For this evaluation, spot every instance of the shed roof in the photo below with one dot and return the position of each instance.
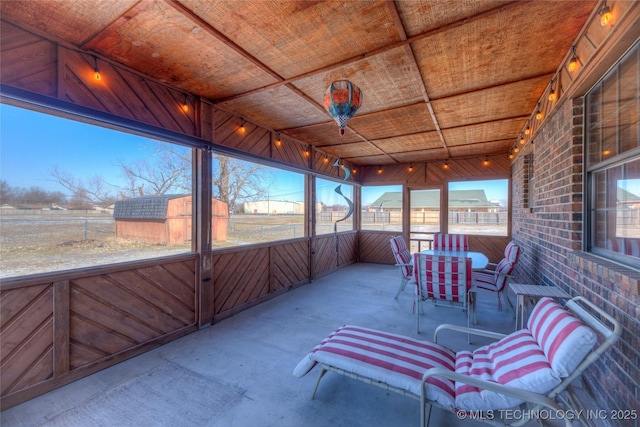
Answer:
(149, 207)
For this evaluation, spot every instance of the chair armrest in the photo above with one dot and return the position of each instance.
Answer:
(527, 396)
(466, 330)
(404, 265)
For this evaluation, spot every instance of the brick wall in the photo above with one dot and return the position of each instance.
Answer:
(547, 223)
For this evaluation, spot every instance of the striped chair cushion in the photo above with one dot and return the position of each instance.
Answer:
(516, 360)
(379, 356)
(564, 339)
(402, 255)
(512, 252)
(443, 277)
(450, 242)
(493, 282)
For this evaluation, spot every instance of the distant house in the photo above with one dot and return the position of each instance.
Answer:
(459, 200)
(165, 219)
(274, 207)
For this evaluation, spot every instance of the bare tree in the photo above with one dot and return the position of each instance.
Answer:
(168, 170)
(234, 181)
(84, 192)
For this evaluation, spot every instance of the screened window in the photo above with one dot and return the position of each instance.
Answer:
(333, 209)
(382, 208)
(77, 195)
(254, 203)
(478, 207)
(613, 161)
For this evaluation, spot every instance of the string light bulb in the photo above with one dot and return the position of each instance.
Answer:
(184, 106)
(410, 167)
(552, 95)
(527, 131)
(522, 140)
(278, 141)
(511, 155)
(605, 15)
(486, 161)
(539, 115)
(242, 128)
(96, 70)
(379, 170)
(573, 63)
(446, 165)
(516, 149)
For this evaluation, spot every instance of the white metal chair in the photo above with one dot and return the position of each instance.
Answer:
(450, 242)
(445, 280)
(495, 277)
(403, 260)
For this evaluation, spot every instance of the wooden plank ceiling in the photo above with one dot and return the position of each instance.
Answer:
(440, 78)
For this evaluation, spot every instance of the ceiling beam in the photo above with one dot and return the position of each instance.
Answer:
(416, 70)
(380, 50)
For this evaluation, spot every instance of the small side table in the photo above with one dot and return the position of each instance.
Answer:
(535, 291)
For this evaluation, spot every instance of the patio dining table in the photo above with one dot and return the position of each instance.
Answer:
(478, 259)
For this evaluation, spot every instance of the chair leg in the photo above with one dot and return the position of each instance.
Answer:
(418, 306)
(313, 395)
(506, 297)
(403, 284)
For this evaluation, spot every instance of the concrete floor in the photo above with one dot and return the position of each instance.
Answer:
(238, 372)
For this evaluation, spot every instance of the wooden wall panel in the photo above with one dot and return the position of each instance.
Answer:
(97, 319)
(435, 173)
(122, 93)
(239, 277)
(28, 62)
(115, 311)
(491, 246)
(325, 256)
(26, 334)
(347, 248)
(375, 247)
(289, 265)
(291, 151)
(227, 132)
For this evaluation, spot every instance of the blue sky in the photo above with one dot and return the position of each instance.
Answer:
(31, 147)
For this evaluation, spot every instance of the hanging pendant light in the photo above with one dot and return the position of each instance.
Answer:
(341, 101)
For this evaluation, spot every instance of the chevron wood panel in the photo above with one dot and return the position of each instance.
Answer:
(112, 312)
(435, 172)
(290, 151)
(325, 258)
(26, 333)
(227, 131)
(375, 247)
(347, 248)
(289, 264)
(239, 277)
(122, 93)
(28, 62)
(491, 246)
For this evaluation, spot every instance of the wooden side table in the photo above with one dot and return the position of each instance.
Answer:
(533, 291)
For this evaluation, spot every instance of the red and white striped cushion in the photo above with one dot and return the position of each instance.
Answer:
(516, 360)
(443, 277)
(512, 252)
(564, 339)
(494, 282)
(450, 242)
(402, 255)
(396, 360)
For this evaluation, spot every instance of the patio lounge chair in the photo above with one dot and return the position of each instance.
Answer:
(530, 366)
